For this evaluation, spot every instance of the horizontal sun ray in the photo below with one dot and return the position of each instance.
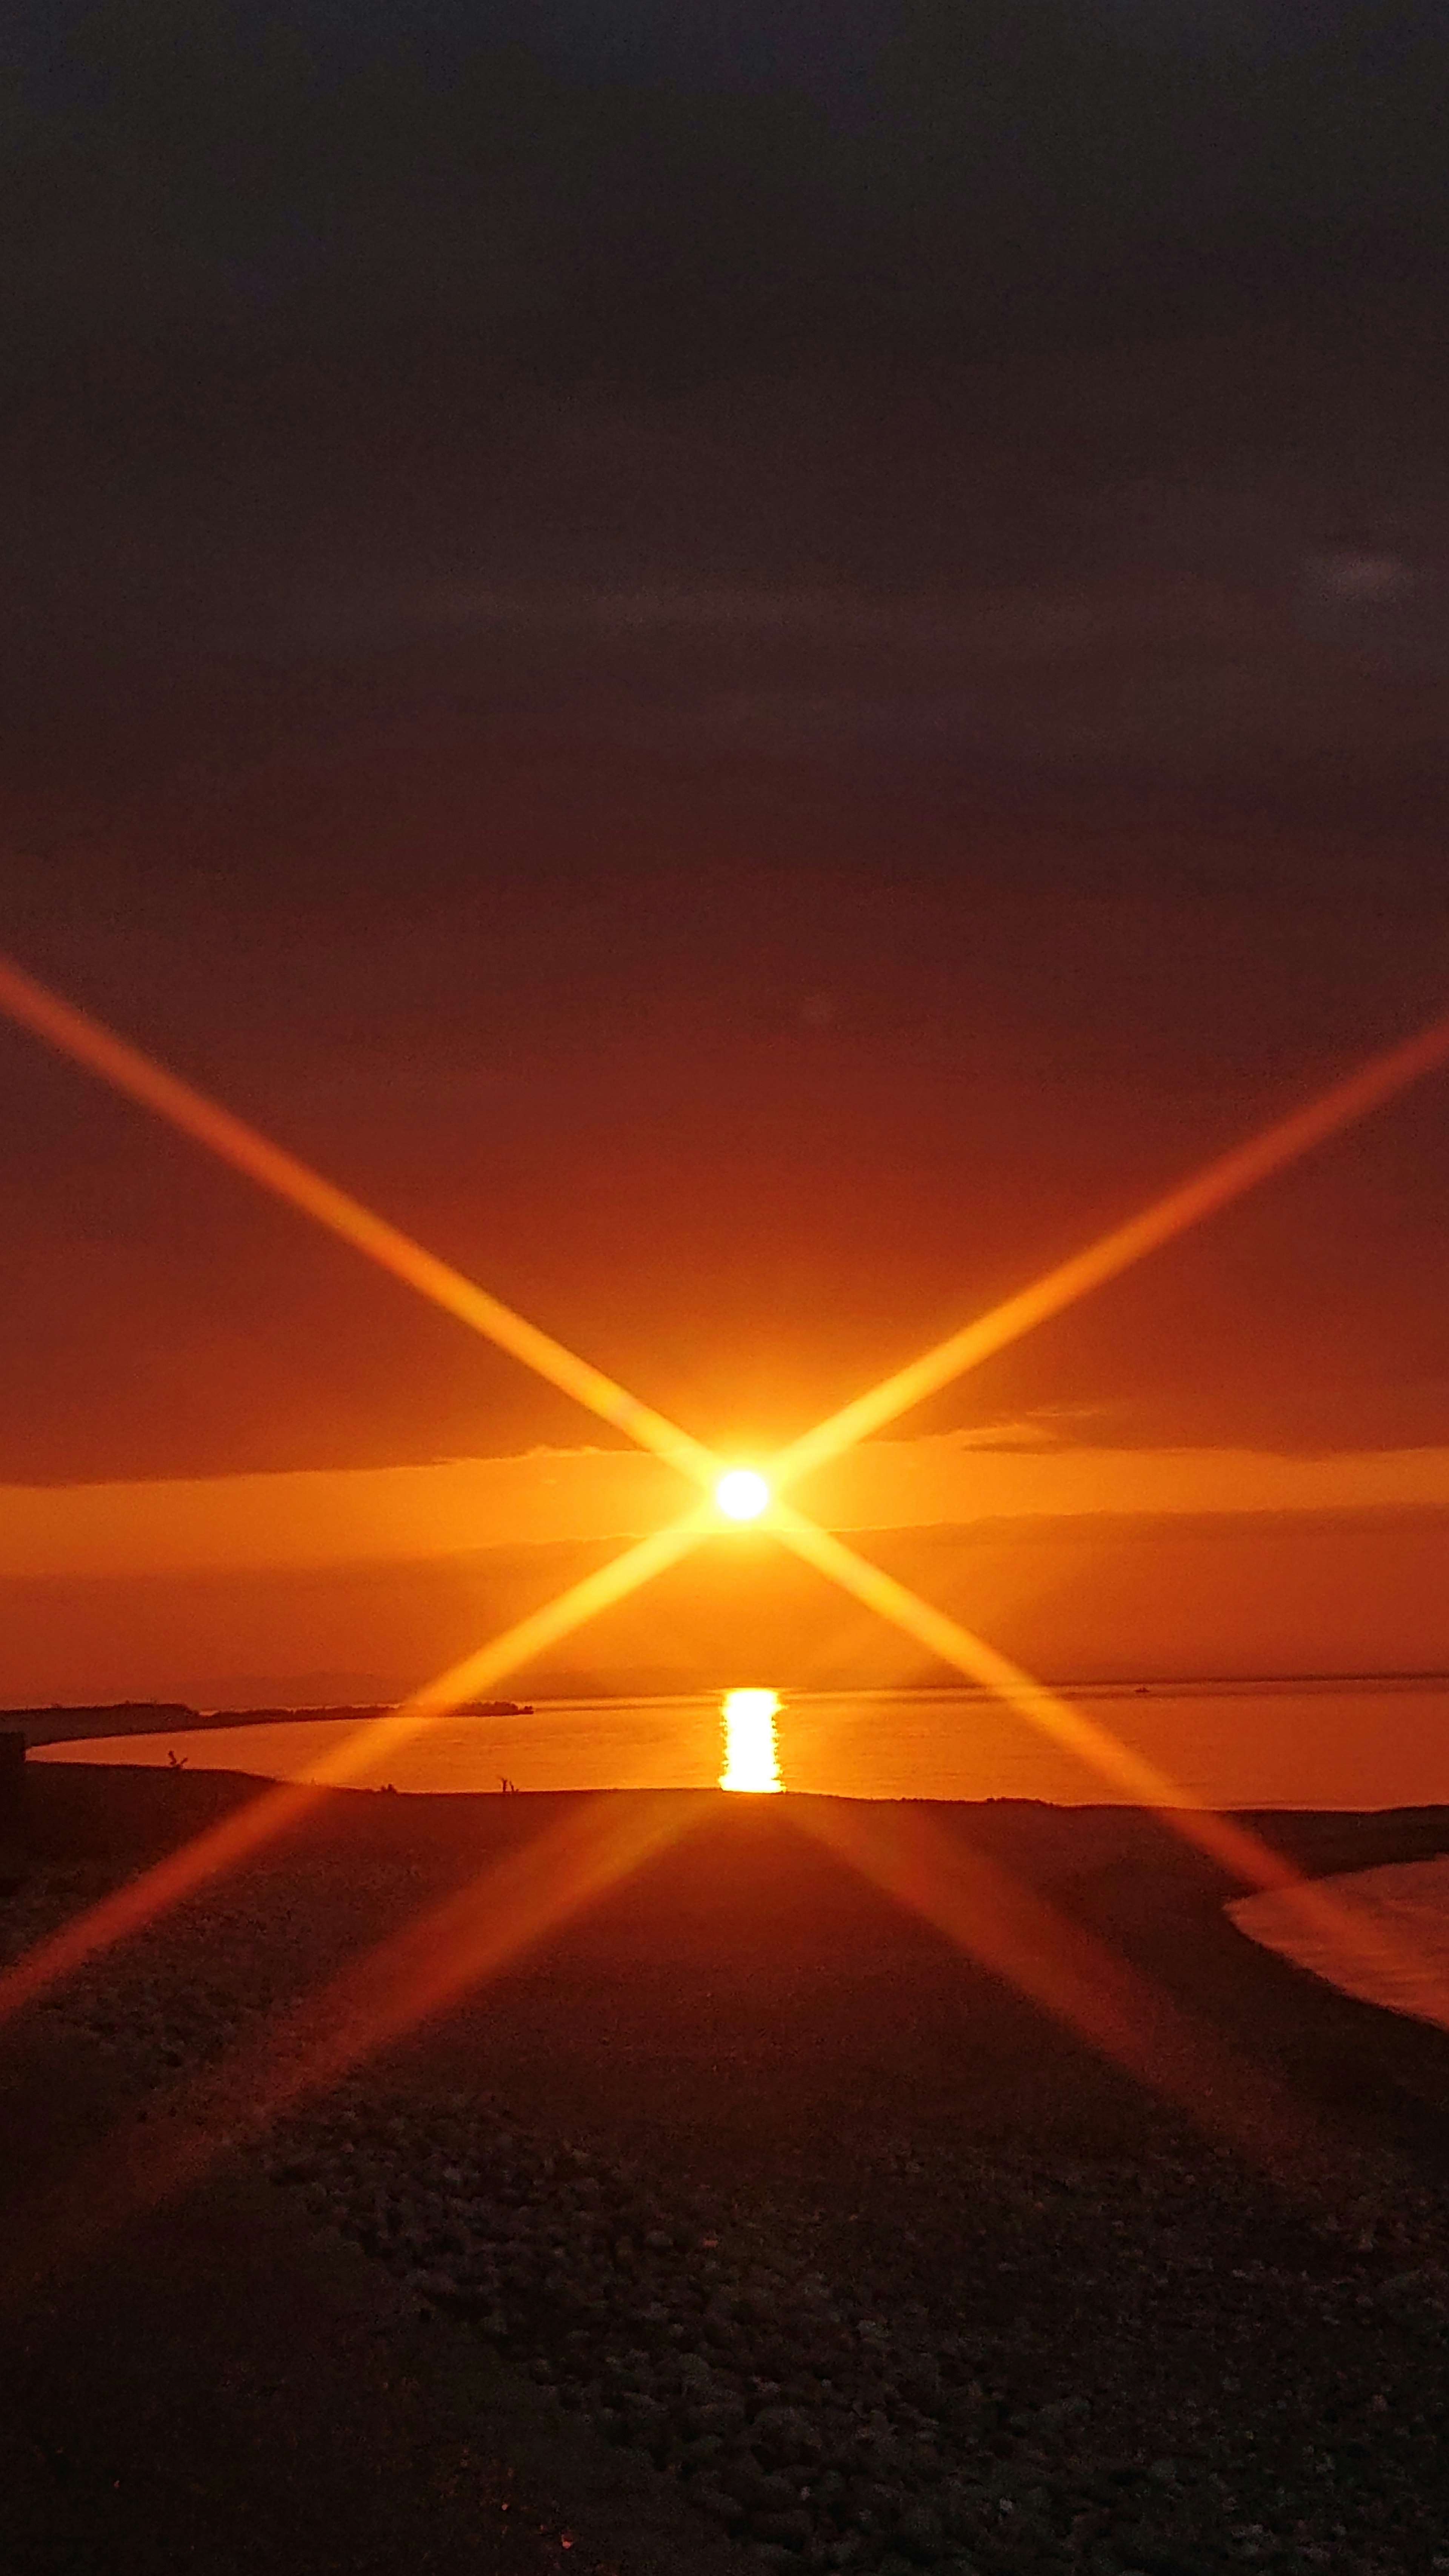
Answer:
(237, 1837)
(89, 1043)
(1214, 1187)
(988, 1912)
(1243, 1854)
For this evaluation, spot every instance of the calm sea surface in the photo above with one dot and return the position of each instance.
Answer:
(1287, 1744)
(1385, 1937)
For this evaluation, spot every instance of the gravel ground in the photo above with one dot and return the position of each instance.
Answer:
(973, 2355)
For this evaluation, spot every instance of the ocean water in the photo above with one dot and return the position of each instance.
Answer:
(1360, 1744)
(1383, 1936)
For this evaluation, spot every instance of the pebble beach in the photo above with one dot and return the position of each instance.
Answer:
(874, 2259)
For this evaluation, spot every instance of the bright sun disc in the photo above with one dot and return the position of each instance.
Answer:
(742, 1494)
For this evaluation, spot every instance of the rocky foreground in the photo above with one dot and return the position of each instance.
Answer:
(922, 2344)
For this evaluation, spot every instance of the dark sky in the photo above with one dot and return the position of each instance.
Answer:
(751, 663)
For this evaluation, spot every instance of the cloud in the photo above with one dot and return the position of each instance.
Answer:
(455, 1507)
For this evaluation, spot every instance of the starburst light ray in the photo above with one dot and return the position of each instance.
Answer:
(1066, 1726)
(387, 1991)
(237, 1837)
(89, 1043)
(996, 1918)
(1237, 1850)
(92, 1045)
(1214, 1187)
(462, 1941)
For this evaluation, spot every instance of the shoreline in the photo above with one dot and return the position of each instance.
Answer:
(65, 1722)
(794, 2202)
(1228, 1749)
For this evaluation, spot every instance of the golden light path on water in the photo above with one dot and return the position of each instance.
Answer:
(739, 1493)
(751, 1751)
(1238, 1745)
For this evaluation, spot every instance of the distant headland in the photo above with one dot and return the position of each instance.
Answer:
(61, 1722)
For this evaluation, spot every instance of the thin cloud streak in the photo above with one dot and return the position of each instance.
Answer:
(311, 1518)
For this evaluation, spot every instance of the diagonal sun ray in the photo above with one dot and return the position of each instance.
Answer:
(95, 1047)
(1243, 1854)
(1066, 1726)
(459, 1943)
(410, 1976)
(223, 1846)
(139, 1077)
(89, 1043)
(1096, 1994)
(1214, 1187)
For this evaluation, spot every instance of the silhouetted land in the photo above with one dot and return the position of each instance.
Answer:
(1210, 2252)
(744, 1972)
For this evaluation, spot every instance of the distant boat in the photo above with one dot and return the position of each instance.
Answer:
(497, 1708)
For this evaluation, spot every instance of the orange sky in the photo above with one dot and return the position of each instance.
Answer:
(400, 1515)
(1080, 1560)
(752, 873)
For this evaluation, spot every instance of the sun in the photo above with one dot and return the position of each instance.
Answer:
(742, 1494)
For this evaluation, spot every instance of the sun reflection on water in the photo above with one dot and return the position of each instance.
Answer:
(751, 1754)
